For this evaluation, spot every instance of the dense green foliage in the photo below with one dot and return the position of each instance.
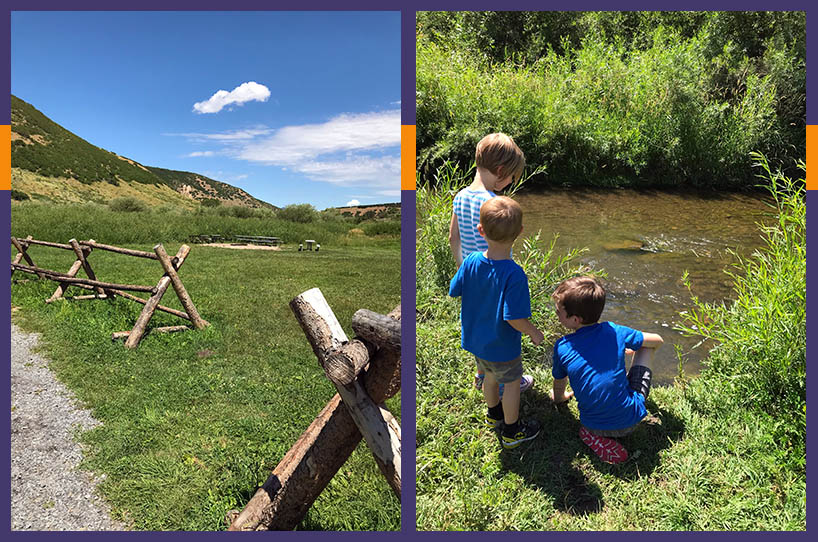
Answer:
(659, 98)
(303, 213)
(46, 148)
(19, 195)
(724, 451)
(51, 222)
(127, 205)
(193, 422)
(759, 363)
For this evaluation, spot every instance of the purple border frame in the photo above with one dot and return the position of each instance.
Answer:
(408, 8)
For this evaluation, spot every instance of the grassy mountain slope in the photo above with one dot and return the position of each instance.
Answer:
(46, 149)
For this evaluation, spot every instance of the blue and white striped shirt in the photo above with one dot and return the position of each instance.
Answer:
(466, 206)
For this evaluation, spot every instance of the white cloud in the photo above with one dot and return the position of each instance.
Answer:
(352, 203)
(224, 137)
(344, 133)
(245, 92)
(374, 172)
(196, 154)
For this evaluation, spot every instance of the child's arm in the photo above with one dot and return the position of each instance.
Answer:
(454, 240)
(651, 340)
(558, 394)
(524, 326)
(644, 356)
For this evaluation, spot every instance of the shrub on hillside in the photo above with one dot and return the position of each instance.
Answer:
(19, 195)
(210, 202)
(127, 204)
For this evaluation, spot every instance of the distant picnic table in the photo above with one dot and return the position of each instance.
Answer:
(247, 239)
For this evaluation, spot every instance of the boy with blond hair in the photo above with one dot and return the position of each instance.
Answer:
(494, 314)
(611, 402)
(500, 162)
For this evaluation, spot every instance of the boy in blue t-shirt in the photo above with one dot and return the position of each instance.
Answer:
(494, 314)
(500, 163)
(611, 402)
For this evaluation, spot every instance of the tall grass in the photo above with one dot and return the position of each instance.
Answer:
(603, 113)
(126, 225)
(759, 362)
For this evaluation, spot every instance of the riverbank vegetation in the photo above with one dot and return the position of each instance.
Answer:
(722, 451)
(193, 422)
(128, 220)
(615, 98)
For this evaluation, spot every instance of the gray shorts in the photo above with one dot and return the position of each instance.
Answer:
(502, 371)
(639, 381)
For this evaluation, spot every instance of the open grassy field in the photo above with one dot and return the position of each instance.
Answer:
(193, 422)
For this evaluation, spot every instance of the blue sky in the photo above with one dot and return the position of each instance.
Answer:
(293, 107)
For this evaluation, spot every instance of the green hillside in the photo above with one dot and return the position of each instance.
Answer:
(43, 147)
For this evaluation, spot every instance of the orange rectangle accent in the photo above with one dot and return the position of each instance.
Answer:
(812, 150)
(408, 179)
(5, 157)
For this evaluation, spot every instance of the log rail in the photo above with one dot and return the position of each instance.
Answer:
(108, 290)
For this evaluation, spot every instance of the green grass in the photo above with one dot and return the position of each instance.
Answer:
(723, 451)
(193, 422)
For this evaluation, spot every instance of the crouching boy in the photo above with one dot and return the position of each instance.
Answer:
(611, 402)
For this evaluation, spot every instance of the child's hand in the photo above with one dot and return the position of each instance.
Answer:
(537, 337)
(566, 396)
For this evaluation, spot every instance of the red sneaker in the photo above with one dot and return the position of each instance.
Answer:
(608, 450)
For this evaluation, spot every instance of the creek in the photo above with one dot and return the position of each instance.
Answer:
(645, 240)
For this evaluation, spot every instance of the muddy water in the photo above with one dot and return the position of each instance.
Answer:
(645, 241)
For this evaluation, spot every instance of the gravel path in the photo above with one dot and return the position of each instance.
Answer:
(48, 491)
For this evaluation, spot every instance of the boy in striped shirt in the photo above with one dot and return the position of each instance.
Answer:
(500, 162)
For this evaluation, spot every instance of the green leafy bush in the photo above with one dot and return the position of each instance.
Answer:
(303, 213)
(127, 204)
(19, 195)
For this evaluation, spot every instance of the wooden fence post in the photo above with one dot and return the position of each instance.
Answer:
(150, 307)
(318, 322)
(179, 288)
(306, 469)
(22, 253)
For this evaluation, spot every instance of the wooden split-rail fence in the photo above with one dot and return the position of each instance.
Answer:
(107, 290)
(366, 372)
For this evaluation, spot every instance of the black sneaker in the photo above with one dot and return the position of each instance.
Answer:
(527, 430)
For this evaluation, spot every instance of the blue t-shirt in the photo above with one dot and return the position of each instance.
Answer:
(593, 359)
(466, 208)
(493, 291)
